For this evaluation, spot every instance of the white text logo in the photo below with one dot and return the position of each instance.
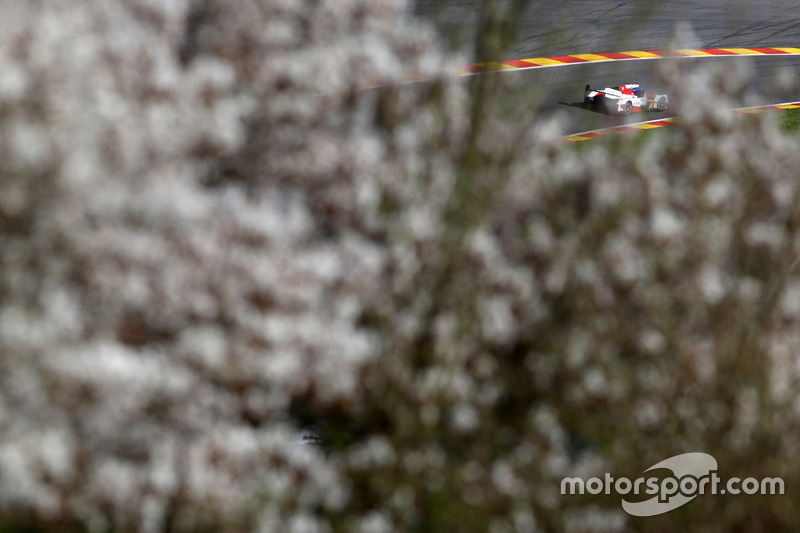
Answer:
(693, 474)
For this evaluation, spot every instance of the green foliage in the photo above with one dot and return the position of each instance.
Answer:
(790, 120)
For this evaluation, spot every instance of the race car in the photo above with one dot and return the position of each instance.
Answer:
(624, 99)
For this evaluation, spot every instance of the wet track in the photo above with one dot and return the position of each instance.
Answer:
(592, 26)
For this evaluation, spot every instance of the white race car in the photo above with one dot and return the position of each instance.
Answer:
(625, 99)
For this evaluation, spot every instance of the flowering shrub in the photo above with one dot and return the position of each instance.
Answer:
(213, 234)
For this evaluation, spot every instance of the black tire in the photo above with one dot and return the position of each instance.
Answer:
(628, 108)
(599, 103)
(661, 104)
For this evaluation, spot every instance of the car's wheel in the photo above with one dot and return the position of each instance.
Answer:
(628, 108)
(599, 103)
(661, 104)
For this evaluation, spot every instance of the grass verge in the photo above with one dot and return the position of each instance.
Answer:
(790, 120)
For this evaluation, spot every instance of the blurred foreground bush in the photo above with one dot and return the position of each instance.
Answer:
(212, 235)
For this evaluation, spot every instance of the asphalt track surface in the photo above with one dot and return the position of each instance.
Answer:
(561, 89)
(550, 28)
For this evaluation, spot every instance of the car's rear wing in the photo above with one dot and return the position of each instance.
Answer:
(589, 93)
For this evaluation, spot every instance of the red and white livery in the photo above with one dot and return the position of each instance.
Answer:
(625, 99)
